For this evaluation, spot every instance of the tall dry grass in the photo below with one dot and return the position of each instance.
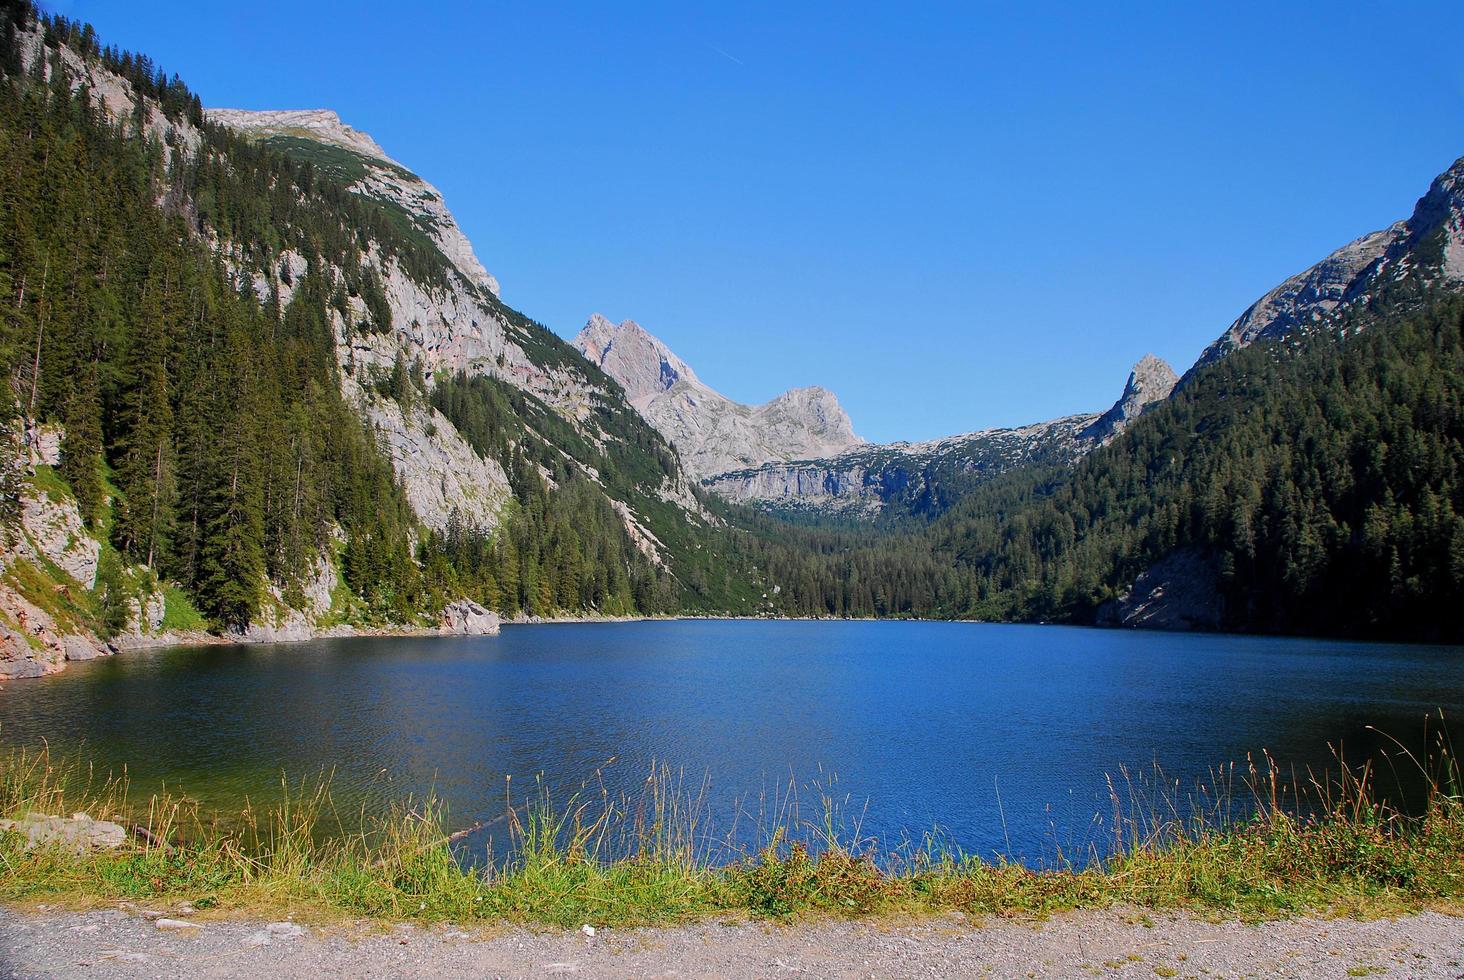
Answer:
(1253, 839)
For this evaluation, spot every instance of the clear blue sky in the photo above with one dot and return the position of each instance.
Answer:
(954, 216)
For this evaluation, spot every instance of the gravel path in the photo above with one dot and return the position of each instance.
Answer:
(120, 943)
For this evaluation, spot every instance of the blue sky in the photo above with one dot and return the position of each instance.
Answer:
(952, 215)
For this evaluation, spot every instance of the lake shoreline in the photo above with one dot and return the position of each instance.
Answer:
(202, 638)
(168, 862)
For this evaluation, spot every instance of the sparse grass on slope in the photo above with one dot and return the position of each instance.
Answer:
(649, 860)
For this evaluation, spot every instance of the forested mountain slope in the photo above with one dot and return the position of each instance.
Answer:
(1308, 487)
(277, 386)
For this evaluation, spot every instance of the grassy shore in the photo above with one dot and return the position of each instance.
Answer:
(1237, 845)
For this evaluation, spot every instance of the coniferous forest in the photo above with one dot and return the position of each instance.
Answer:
(207, 438)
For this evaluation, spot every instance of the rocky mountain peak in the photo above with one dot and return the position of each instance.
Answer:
(1150, 381)
(713, 433)
(640, 361)
(1427, 248)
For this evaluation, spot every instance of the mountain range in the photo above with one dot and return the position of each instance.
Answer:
(260, 385)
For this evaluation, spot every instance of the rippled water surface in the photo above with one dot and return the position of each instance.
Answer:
(1000, 735)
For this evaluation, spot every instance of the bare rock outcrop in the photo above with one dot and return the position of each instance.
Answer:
(1180, 591)
(55, 530)
(1427, 248)
(32, 641)
(1149, 383)
(440, 472)
(466, 618)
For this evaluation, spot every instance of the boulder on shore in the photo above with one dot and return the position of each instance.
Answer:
(79, 831)
(466, 618)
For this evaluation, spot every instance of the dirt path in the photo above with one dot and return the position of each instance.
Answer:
(125, 944)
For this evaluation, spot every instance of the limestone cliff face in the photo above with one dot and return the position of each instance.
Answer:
(1426, 250)
(924, 477)
(442, 475)
(447, 328)
(713, 433)
(35, 639)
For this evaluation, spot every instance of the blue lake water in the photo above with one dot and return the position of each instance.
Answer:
(1000, 735)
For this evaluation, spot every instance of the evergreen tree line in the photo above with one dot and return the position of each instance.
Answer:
(1320, 477)
(211, 420)
(560, 549)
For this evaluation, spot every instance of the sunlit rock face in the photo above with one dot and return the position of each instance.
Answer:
(1424, 251)
(713, 433)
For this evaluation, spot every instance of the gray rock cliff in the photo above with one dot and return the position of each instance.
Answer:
(713, 433)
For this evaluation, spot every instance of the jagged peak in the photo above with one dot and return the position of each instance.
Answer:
(1150, 381)
(713, 433)
(632, 355)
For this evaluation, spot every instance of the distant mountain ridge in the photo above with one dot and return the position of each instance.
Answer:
(926, 477)
(799, 451)
(713, 433)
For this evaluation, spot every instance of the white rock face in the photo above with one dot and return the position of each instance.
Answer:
(1428, 247)
(440, 472)
(713, 433)
(385, 178)
(466, 618)
(32, 642)
(870, 477)
(56, 529)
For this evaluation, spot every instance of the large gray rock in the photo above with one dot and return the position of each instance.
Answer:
(713, 433)
(78, 831)
(56, 527)
(79, 647)
(466, 618)
(19, 659)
